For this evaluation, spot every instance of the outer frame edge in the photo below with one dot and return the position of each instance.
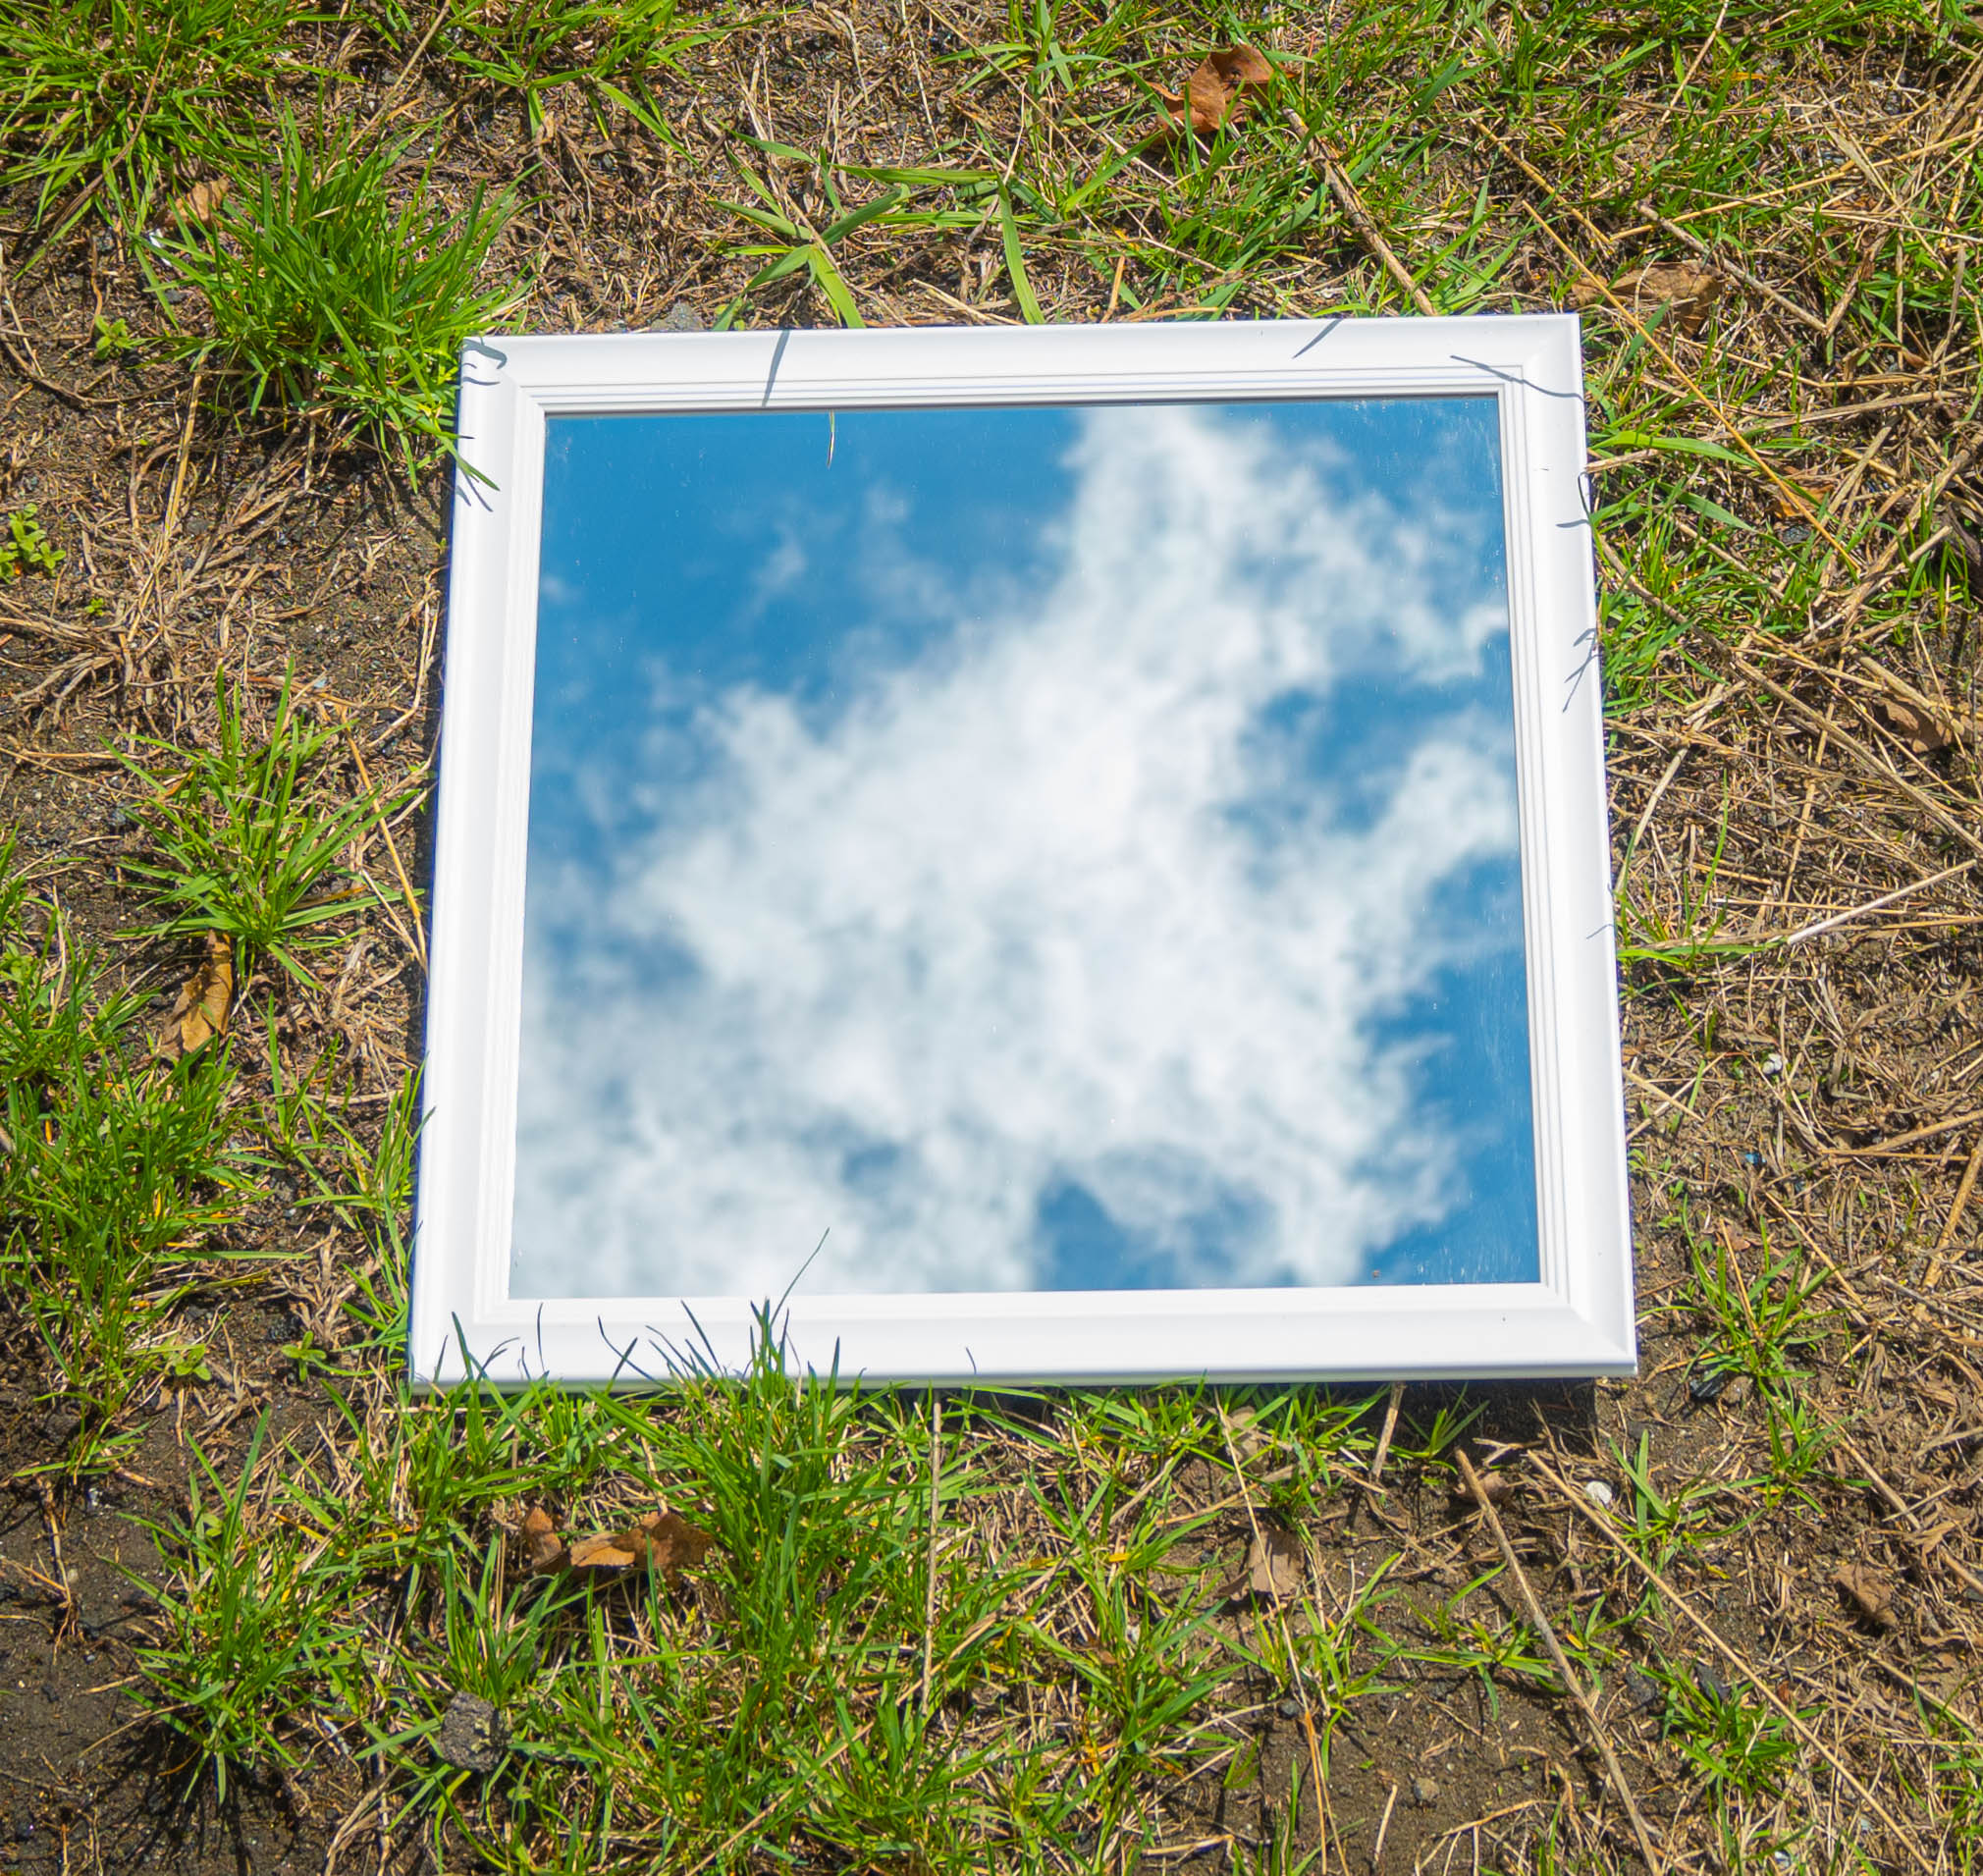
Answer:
(1591, 1308)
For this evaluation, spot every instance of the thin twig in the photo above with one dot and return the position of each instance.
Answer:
(1912, 1137)
(1385, 1432)
(1956, 1211)
(1754, 282)
(1352, 205)
(1874, 905)
(1800, 188)
(1801, 499)
(1659, 788)
(415, 932)
(394, 90)
(1905, 1513)
(1599, 1737)
(1884, 770)
(1883, 569)
(1383, 1828)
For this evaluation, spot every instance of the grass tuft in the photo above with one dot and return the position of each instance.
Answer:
(109, 102)
(334, 287)
(115, 1166)
(249, 838)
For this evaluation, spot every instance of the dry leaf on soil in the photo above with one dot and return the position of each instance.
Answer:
(1217, 91)
(1685, 286)
(199, 1011)
(1498, 1486)
(1867, 1594)
(664, 1541)
(543, 1549)
(1922, 730)
(1273, 1567)
(1248, 1439)
(201, 203)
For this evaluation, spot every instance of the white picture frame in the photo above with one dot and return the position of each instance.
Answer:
(1576, 1321)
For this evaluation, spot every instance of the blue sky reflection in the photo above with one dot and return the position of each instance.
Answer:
(1034, 848)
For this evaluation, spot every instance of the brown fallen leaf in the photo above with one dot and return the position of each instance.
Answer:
(664, 1541)
(1216, 92)
(201, 203)
(615, 1552)
(1249, 1441)
(1272, 1568)
(200, 1012)
(1497, 1485)
(543, 1549)
(1868, 1595)
(1922, 730)
(1686, 286)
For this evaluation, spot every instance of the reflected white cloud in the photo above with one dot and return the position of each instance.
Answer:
(1059, 905)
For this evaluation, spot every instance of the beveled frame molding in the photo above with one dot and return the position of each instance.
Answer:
(1576, 1321)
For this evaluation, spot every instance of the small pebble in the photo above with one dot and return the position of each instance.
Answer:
(1773, 1063)
(1288, 1709)
(1598, 1492)
(471, 1735)
(1424, 1791)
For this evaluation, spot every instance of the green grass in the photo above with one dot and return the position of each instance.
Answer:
(245, 1626)
(117, 1173)
(807, 1687)
(26, 549)
(1427, 104)
(111, 103)
(608, 54)
(253, 841)
(336, 285)
(360, 1176)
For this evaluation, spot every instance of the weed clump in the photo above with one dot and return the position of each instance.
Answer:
(249, 837)
(24, 548)
(329, 291)
(116, 99)
(115, 1163)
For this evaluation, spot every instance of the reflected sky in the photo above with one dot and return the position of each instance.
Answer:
(1061, 848)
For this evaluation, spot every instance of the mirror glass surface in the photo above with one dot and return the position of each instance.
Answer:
(1038, 848)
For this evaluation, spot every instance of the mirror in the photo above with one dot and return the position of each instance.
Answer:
(1023, 849)
(1023, 855)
